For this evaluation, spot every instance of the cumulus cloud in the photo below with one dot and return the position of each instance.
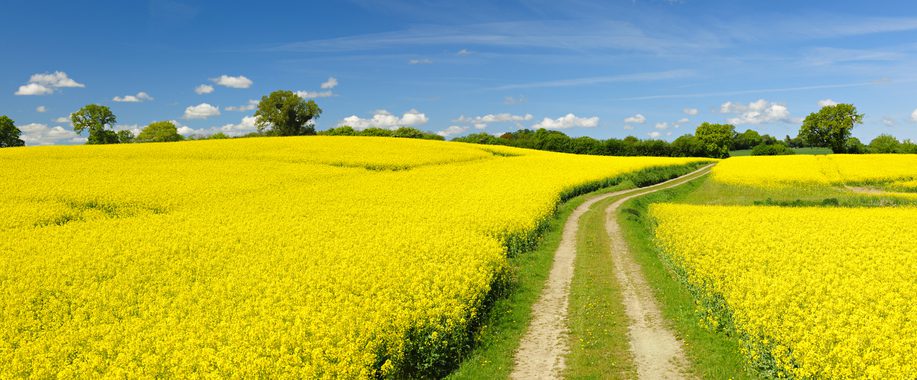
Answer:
(452, 130)
(628, 127)
(140, 97)
(757, 112)
(681, 122)
(246, 125)
(332, 82)
(314, 94)
(203, 89)
(252, 104)
(41, 134)
(41, 109)
(62, 119)
(638, 118)
(914, 115)
(47, 83)
(481, 122)
(232, 82)
(423, 61)
(568, 121)
(662, 125)
(201, 111)
(385, 119)
(133, 128)
(826, 102)
(889, 122)
(690, 111)
(654, 134)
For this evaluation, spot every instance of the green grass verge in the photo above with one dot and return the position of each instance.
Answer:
(509, 316)
(713, 355)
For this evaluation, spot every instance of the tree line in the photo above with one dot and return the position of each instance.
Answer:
(284, 113)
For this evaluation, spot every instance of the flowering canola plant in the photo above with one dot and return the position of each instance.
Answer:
(299, 257)
(812, 292)
(816, 170)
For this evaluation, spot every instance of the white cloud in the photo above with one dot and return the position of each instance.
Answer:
(681, 122)
(914, 116)
(252, 104)
(480, 122)
(690, 111)
(332, 82)
(384, 119)
(638, 118)
(826, 102)
(232, 82)
(452, 130)
(41, 134)
(47, 83)
(203, 89)
(628, 127)
(134, 128)
(424, 61)
(509, 100)
(140, 97)
(201, 111)
(889, 122)
(654, 134)
(41, 109)
(314, 94)
(62, 119)
(463, 53)
(662, 125)
(757, 112)
(568, 121)
(247, 125)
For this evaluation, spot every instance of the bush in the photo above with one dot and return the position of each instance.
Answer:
(778, 149)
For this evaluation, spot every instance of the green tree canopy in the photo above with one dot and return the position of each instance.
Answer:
(125, 136)
(884, 144)
(715, 138)
(286, 114)
(831, 126)
(9, 134)
(99, 120)
(160, 131)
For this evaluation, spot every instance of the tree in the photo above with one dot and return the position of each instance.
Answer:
(746, 140)
(99, 120)
(218, 136)
(884, 144)
(286, 114)
(125, 136)
(715, 138)
(160, 131)
(9, 134)
(687, 146)
(855, 146)
(831, 126)
(776, 149)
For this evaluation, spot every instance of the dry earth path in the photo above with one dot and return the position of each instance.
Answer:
(657, 353)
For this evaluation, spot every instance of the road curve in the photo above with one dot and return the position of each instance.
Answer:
(542, 349)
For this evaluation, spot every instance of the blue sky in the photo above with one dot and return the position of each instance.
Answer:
(596, 68)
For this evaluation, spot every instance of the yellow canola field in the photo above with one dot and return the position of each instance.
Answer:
(291, 257)
(823, 293)
(819, 170)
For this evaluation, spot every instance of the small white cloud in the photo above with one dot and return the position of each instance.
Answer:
(252, 104)
(201, 111)
(424, 61)
(826, 102)
(384, 119)
(568, 121)
(628, 127)
(41, 109)
(47, 83)
(247, 125)
(332, 82)
(34, 89)
(232, 82)
(203, 89)
(681, 122)
(509, 100)
(463, 53)
(62, 119)
(914, 115)
(140, 97)
(41, 134)
(480, 122)
(690, 111)
(654, 134)
(889, 122)
(452, 130)
(662, 125)
(314, 94)
(638, 119)
(757, 112)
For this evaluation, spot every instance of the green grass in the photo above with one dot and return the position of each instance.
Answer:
(713, 355)
(509, 317)
(747, 152)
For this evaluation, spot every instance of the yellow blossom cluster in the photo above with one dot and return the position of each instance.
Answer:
(777, 171)
(299, 257)
(824, 293)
